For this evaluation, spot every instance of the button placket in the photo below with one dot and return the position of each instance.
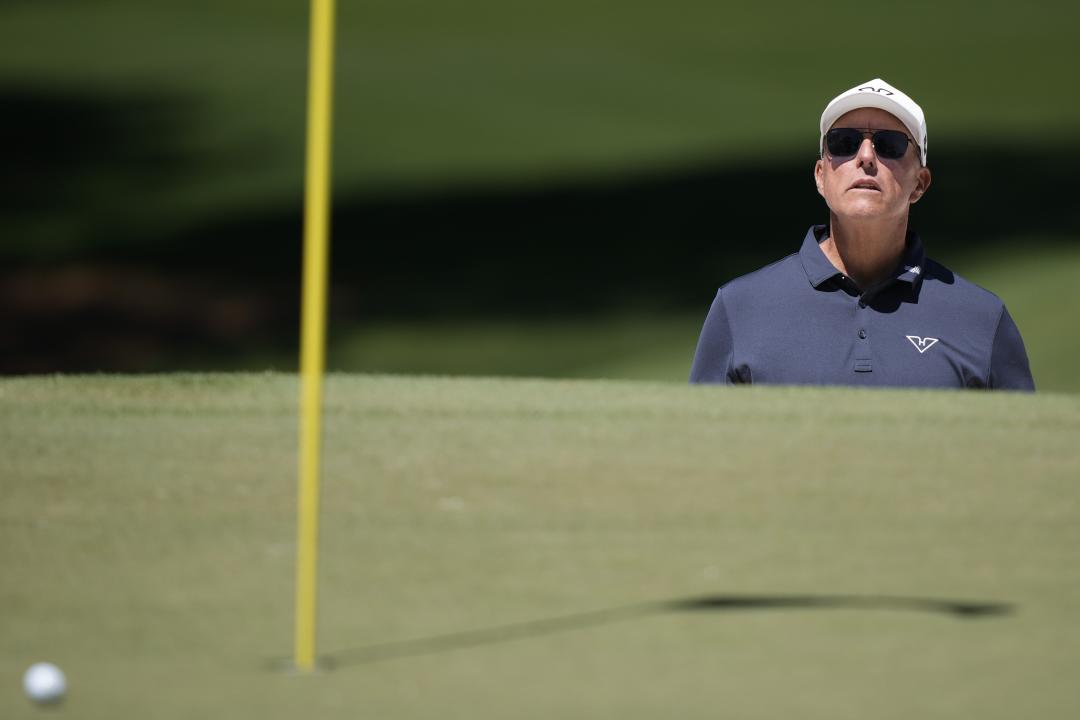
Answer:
(863, 358)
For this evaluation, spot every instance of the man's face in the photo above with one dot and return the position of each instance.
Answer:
(865, 186)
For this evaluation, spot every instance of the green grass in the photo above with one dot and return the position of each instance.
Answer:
(146, 536)
(634, 346)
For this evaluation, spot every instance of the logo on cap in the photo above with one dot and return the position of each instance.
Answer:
(887, 91)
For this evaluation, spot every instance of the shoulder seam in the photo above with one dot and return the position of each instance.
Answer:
(993, 344)
(760, 269)
(958, 276)
(731, 331)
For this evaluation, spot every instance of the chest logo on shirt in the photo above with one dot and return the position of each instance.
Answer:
(922, 344)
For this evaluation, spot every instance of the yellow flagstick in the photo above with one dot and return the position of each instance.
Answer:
(313, 330)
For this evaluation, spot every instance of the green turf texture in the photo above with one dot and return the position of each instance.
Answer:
(147, 543)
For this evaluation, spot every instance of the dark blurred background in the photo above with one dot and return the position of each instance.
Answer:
(520, 188)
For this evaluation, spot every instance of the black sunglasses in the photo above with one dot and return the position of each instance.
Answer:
(889, 144)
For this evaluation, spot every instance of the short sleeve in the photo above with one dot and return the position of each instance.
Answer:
(1009, 368)
(713, 359)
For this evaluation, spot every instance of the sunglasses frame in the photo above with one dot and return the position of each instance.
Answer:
(872, 134)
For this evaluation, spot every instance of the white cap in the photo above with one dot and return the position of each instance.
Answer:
(877, 93)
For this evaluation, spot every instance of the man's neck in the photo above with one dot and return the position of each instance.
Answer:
(867, 252)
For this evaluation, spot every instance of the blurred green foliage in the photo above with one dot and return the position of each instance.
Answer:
(433, 94)
(156, 119)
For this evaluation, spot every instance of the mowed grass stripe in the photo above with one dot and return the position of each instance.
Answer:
(147, 526)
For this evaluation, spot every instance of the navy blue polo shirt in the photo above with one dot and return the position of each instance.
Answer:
(800, 321)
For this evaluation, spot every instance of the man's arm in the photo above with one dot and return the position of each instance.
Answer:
(716, 346)
(1009, 368)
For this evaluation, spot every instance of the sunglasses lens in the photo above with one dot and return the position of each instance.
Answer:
(843, 142)
(891, 144)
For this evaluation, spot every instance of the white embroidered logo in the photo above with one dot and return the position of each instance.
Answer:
(922, 344)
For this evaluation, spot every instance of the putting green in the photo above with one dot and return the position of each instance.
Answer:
(495, 548)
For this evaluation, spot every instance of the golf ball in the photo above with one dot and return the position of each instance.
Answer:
(44, 683)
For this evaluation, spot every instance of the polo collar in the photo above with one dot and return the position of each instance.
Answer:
(819, 270)
(914, 263)
(817, 266)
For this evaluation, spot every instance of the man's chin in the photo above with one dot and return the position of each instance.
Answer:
(864, 209)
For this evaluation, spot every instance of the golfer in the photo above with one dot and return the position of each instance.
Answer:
(860, 303)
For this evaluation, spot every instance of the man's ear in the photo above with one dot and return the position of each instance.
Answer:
(819, 170)
(922, 183)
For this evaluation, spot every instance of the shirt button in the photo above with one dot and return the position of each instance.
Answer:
(862, 334)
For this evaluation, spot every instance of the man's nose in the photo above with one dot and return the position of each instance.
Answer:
(866, 156)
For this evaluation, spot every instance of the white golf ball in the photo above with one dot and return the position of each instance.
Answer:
(45, 683)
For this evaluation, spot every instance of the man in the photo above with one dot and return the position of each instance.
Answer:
(860, 304)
